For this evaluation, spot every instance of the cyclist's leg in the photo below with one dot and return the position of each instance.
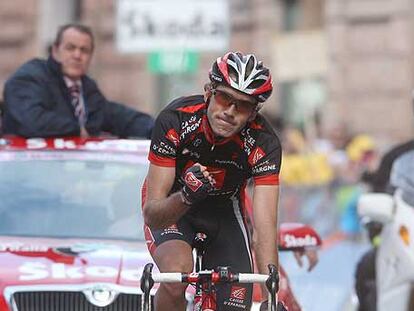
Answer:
(171, 251)
(230, 247)
(172, 256)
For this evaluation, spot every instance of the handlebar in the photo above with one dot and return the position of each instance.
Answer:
(220, 275)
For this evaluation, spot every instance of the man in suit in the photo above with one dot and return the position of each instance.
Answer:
(55, 97)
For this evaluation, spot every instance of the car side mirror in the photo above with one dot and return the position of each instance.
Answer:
(376, 206)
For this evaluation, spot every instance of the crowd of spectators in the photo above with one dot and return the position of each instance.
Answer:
(321, 175)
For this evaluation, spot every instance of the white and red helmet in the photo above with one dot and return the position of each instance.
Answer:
(243, 73)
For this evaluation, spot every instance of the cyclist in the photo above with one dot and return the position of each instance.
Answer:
(204, 148)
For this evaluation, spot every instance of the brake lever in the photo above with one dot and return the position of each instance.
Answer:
(147, 282)
(272, 285)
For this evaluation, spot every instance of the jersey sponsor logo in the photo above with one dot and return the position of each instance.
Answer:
(238, 292)
(163, 149)
(227, 162)
(193, 182)
(264, 169)
(256, 155)
(249, 138)
(173, 137)
(189, 127)
(173, 229)
(237, 297)
(249, 141)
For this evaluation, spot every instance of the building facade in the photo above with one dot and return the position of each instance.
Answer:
(343, 61)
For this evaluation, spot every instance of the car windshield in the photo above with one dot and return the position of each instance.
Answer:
(71, 194)
(402, 176)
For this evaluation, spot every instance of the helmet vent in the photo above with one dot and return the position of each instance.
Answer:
(256, 84)
(249, 68)
(233, 74)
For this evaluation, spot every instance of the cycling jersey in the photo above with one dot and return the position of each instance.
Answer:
(181, 137)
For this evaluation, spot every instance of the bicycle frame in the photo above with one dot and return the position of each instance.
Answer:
(206, 279)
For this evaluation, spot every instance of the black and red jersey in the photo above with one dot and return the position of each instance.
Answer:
(182, 136)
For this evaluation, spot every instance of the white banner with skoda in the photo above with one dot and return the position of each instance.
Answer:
(149, 25)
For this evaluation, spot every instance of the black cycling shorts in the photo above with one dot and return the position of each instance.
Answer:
(227, 244)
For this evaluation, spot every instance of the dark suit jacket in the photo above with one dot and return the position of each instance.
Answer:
(37, 104)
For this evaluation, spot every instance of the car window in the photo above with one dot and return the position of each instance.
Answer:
(67, 196)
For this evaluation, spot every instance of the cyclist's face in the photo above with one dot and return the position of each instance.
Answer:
(229, 110)
(74, 53)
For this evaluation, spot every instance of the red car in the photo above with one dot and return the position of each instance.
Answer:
(71, 233)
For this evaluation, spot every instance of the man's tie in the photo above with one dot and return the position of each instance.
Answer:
(77, 104)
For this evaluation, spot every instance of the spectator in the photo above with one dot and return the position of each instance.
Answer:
(55, 97)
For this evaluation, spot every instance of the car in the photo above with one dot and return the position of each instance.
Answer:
(70, 223)
(71, 229)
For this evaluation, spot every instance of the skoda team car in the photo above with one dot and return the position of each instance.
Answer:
(71, 230)
(71, 233)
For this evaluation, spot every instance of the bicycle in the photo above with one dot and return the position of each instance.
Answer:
(205, 281)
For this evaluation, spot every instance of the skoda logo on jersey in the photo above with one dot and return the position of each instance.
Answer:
(197, 142)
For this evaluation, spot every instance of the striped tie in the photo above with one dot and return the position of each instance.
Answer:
(75, 100)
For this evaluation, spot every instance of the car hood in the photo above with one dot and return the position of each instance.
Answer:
(29, 261)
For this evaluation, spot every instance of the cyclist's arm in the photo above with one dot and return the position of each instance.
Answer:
(265, 212)
(161, 210)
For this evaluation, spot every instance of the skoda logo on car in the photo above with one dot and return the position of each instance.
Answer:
(100, 295)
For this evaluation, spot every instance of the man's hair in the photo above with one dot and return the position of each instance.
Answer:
(79, 27)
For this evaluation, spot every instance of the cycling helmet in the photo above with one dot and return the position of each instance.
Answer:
(243, 73)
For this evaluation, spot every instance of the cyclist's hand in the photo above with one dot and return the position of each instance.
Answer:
(311, 254)
(197, 184)
(280, 306)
